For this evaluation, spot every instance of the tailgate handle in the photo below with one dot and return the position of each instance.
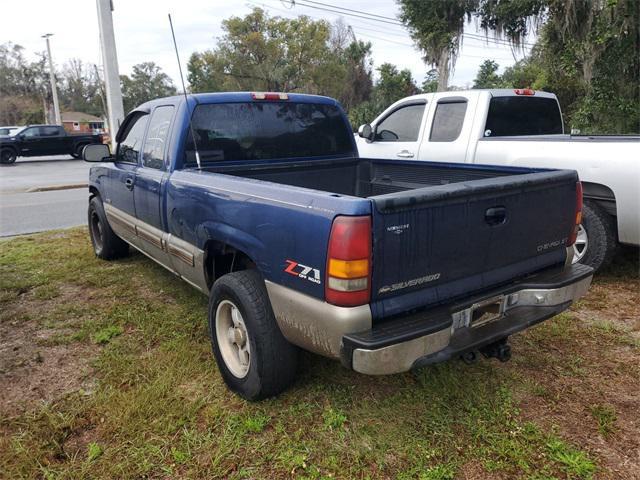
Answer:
(495, 216)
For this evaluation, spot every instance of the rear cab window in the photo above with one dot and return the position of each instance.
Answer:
(265, 131)
(50, 131)
(155, 143)
(523, 115)
(448, 119)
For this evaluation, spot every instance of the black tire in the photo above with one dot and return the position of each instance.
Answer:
(8, 156)
(273, 360)
(106, 244)
(77, 153)
(601, 230)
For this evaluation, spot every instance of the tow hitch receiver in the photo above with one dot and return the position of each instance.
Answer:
(500, 350)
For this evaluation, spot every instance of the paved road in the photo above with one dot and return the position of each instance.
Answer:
(38, 172)
(23, 210)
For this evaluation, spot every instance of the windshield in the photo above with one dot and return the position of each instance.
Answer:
(528, 115)
(270, 130)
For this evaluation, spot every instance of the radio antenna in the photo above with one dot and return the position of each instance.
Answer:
(184, 91)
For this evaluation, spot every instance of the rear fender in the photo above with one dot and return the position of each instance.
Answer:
(239, 240)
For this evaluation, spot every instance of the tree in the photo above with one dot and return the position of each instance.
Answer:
(391, 87)
(430, 83)
(264, 53)
(587, 51)
(393, 84)
(23, 87)
(147, 81)
(259, 52)
(487, 76)
(81, 88)
(436, 27)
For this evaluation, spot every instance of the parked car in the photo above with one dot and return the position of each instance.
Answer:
(261, 202)
(519, 127)
(39, 140)
(9, 130)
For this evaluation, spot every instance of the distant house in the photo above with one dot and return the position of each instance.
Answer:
(78, 122)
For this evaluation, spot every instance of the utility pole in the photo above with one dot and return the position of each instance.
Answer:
(110, 63)
(52, 77)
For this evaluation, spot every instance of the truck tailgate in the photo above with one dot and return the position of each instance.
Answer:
(436, 243)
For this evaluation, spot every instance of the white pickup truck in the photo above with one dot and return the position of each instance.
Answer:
(519, 127)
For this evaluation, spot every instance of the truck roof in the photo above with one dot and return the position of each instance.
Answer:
(496, 92)
(233, 97)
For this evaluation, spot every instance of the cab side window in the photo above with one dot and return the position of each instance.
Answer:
(31, 132)
(130, 146)
(49, 131)
(448, 120)
(154, 145)
(401, 125)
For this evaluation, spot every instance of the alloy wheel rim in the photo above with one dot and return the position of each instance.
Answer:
(233, 340)
(581, 244)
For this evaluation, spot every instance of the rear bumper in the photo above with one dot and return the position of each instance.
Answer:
(440, 334)
(399, 344)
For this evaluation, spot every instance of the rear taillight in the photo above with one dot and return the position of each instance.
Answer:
(578, 214)
(524, 91)
(349, 262)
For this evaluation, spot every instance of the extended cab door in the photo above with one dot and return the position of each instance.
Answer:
(449, 127)
(397, 134)
(147, 193)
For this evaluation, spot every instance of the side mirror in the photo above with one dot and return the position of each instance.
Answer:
(365, 131)
(96, 152)
(20, 136)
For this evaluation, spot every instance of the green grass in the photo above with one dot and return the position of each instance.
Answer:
(160, 408)
(605, 416)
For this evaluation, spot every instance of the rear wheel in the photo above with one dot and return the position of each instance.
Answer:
(77, 153)
(596, 243)
(106, 244)
(8, 156)
(254, 358)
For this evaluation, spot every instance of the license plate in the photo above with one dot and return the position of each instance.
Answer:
(487, 311)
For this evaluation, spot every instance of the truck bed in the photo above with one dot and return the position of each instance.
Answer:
(443, 230)
(365, 178)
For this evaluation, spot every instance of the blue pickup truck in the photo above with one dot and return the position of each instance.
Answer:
(261, 201)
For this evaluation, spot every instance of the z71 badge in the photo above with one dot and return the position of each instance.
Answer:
(302, 271)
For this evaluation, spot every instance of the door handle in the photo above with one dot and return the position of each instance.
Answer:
(404, 154)
(129, 183)
(495, 216)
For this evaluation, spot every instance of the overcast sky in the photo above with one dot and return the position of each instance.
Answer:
(142, 32)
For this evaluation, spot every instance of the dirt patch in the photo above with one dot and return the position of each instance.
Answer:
(595, 402)
(33, 368)
(474, 471)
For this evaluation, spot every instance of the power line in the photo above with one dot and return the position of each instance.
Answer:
(388, 20)
(350, 10)
(348, 14)
(374, 37)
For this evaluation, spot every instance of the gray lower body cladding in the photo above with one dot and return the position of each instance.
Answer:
(398, 344)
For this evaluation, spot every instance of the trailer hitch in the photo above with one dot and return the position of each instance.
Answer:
(500, 350)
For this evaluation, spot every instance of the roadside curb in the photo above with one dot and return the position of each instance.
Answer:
(51, 188)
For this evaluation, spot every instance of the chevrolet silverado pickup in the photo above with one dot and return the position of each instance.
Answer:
(260, 201)
(40, 140)
(520, 127)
